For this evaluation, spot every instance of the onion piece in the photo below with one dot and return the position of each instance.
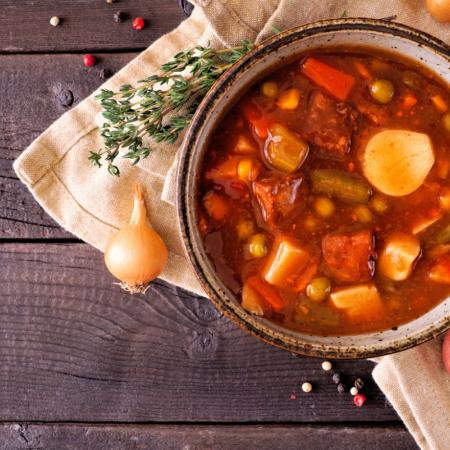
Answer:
(359, 301)
(397, 258)
(439, 9)
(396, 162)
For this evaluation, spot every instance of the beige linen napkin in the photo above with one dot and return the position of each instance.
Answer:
(56, 170)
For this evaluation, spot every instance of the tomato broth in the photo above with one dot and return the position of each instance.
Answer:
(324, 197)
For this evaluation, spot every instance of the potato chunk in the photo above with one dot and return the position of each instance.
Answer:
(359, 301)
(397, 162)
(286, 261)
(400, 251)
(252, 301)
(440, 272)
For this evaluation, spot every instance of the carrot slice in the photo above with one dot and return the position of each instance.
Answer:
(439, 103)
(226, 169)
(255, 117)
(363, 71)
(307, 275)
(337, 83)
(409, 101)
(266, 291)
(216, 205)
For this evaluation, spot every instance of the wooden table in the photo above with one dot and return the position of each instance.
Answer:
(84, 365)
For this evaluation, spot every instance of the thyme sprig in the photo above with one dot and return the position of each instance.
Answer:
(159, 106)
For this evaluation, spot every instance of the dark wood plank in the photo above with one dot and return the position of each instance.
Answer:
(86, 25)
(74, 347)
(18, 436)
(34, 89)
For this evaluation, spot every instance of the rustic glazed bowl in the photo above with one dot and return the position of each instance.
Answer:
(277, 51)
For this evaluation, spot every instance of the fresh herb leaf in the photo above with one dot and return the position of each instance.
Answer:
(159, 106)
(276, 30)
(344, 14)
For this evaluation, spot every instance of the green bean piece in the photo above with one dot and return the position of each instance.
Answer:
(412, 80)
(341, 185)
(438, 237)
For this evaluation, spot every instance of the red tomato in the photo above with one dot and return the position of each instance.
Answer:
(446, 352)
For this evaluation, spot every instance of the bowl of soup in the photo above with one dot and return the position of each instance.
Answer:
(314, 189)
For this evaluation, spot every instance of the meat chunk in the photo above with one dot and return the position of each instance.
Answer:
(329, 125)
(278, 196)
(349, 256)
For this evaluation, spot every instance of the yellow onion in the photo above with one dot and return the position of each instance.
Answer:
(136, 254)
(439, 9)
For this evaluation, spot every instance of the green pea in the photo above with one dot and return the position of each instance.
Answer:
(382, 91)
(324, 206)
(258, 245)
(319, 289)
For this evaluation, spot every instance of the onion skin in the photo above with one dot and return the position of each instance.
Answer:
(446, 352)
(439, 9)
(136, 254)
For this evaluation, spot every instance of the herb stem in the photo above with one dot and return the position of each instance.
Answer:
(147, 108)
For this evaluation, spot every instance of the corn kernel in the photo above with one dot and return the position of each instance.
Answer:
(258, 245)
(289, 100)
(248, 169)
(269, 89)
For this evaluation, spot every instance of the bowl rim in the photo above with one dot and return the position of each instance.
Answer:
(184, 199)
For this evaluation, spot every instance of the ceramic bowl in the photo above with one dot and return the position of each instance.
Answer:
(279, 50)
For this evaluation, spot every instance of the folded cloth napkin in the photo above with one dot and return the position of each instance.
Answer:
(56, 170)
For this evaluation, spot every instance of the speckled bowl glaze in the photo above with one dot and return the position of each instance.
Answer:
(278, 50)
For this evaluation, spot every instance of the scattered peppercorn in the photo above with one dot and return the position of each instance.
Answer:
(341, 388)
(138, 23)
(104, 74)
(359, 400)
(65, 97)
(358, 383)
(326, 365)
(119, 16)
(292, 396)
(354, 390)
(336, 378)
(55, 21)
(306, 387)
(88, 60)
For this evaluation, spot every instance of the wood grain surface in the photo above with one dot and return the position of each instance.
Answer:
(18, 436)
(86, 25)
(34, 91)
(75, 348)
(93, 367)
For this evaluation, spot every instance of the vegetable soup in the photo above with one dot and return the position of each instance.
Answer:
(325, 197)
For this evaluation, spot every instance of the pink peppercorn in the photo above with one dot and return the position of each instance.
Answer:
(359, 400)
(88, 60)
(138, 23)
(292, 396)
